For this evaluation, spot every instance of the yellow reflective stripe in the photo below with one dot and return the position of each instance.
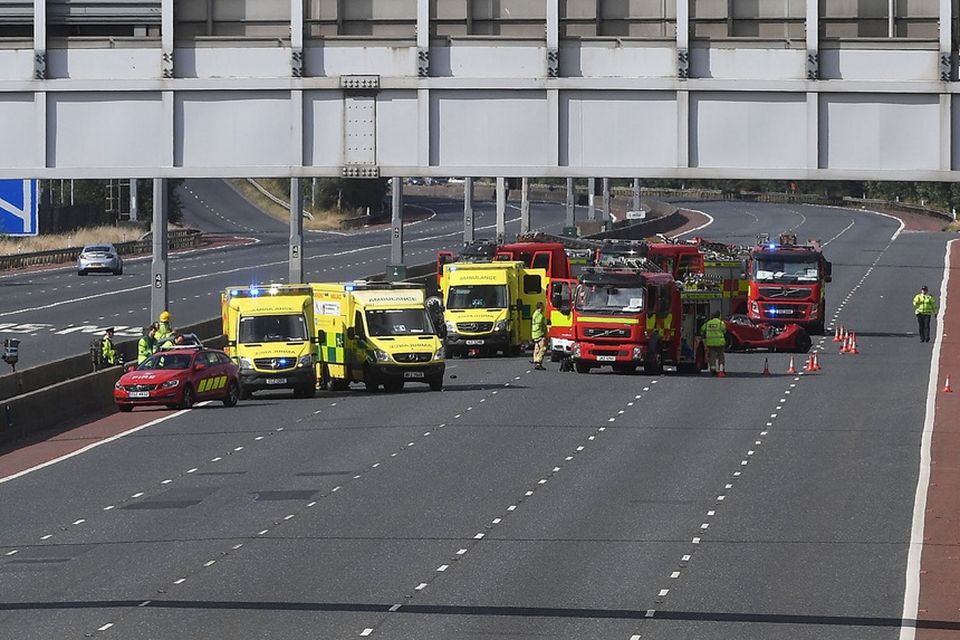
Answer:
(608, 320)
(668, 321)
(202, 387)
(221, 382)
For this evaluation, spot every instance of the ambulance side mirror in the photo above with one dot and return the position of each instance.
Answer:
(321, 336)
(351, 333)
(828, 272)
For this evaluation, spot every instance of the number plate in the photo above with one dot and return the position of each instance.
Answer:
(606, 358)
(276, 381)
(413, 374)
(474, 342)
(139, 394)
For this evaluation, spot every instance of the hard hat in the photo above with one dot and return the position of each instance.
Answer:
(164, 316)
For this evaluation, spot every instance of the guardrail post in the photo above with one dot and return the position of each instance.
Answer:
(469, 227)
(159, 295)
(296, 231)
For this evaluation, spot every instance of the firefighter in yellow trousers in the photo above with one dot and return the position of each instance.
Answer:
(715, 338)
(538, 332)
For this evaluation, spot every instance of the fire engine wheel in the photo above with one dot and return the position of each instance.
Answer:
(624, 368)
(803, 344)
(653, 366)
(556, 356)
(581, 367)
(817, 329)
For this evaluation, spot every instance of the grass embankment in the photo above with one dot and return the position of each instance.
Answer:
(321, 221)
(78, 238)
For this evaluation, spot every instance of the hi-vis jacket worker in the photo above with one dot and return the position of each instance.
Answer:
(538, 332)
(107, 351)
(925, 305)
(163, 330)
(715, 338)
(147, 344)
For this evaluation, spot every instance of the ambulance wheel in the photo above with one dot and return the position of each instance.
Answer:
(581, 367)
(371, 385)
(337, 384)
(245, 394)
(393, 386)
(436, 384)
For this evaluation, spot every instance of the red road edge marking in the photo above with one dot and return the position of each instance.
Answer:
(940, 557)
(70, 442)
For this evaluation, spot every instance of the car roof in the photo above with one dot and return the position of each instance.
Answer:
(185, 351)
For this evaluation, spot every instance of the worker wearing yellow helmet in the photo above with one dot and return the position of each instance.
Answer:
(164, 330)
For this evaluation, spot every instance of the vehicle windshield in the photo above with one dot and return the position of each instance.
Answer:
(398, 322)
(610, 299)
(786, 270)
(166, 361)
(97, 249)
(477, 296)
(279, 328)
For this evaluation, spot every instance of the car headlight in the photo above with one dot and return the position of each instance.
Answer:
(755, 308)
(170, 384)
(814, 310)
(502, 325)
(246, 363)
(381, 356)
(306, 361)
(439, 354)
(576, 349)
(451, 327)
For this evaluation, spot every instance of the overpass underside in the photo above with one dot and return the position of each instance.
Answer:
(835, 89)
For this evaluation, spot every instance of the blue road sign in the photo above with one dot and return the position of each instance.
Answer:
(18, 207)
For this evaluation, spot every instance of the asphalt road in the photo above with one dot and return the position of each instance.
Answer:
(56, 313)
(515, 503)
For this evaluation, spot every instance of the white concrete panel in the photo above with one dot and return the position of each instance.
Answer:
(103, 64)
(16, 64)
(618, 128)
(955, 138)
(349, 59)
(232, 128)
(605, 60)
(19, 127)
(323, 128)
(484, 61)
(488, 128)
(232, 62)
(397, 132)
(731, 130)
(866, 64)
(879, 131)
(104, 129)
(748, 64)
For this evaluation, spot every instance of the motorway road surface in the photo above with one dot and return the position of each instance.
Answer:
(56, 313)
(516, 503)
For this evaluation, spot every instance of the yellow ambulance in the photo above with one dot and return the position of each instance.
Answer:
(487, 306)
(377, 333)
(270, 335)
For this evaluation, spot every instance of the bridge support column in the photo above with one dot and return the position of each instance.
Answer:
(525, 205)
(296, 231)
(607, 218)
(469, 234)
(571, 204)
(501, 210)
(396, 270)
(591, 198)
(159, 295)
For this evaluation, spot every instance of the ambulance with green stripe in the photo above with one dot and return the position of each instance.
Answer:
(376, 333)
(270, 335)
(487, 306)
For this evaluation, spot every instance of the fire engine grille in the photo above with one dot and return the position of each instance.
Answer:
(474, 327)
(139, 387)
(607, 352)
(275, 364)
(601, 332)
(412, 357)
(784, 293)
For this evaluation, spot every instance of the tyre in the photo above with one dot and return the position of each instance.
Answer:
(245, 394)
(124, 408)
(337, 384)
(233, 394)
(817, 329)
(621, 367)
(436, 384)
(701, 359)
(118, 272)
(393, 386)
(556, 356)
(309, 390)
(81, 272)
(371, 385)
(187, 401)
(803, 344)
(653, 364)
(730, 342)
(581, 367)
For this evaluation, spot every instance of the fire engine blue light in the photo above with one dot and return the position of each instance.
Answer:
(772, 245)
(254, 291)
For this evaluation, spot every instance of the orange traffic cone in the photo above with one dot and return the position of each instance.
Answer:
(793, 369)
(808, 365)
(766, 367)
(722, 373)
(946, 386)
(853, 344)
(836, 335)
(845, 347)
(816, 361)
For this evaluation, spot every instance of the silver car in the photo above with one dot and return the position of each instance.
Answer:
(99, 257)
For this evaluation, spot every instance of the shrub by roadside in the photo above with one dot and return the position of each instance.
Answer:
(78, 238)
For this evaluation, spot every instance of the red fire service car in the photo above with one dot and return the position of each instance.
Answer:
(179, 377)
